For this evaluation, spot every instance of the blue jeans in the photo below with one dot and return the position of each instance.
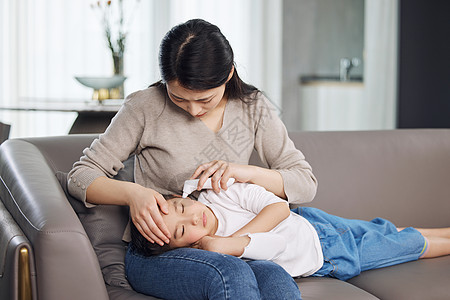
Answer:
(352, 246)
(188, 273)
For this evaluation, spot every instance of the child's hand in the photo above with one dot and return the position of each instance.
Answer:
(209, 243)
(226, 245)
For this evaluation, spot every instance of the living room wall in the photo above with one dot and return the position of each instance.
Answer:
(316, 35)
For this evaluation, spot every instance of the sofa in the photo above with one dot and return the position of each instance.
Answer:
(52, 248)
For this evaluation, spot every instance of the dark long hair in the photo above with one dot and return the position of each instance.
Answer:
(199, 57)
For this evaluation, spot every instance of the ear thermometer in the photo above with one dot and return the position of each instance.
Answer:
(191, 185)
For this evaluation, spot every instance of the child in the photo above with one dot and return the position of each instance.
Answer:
(249, 222)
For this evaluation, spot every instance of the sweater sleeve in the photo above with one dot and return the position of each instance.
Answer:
(277, 150)
(105, 155)
(264, 246)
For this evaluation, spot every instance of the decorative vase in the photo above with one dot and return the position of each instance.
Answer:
(118, 70)
(104, 87)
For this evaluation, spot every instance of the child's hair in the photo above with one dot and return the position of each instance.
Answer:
(142, 246)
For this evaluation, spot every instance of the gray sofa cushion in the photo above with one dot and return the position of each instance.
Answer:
(422, 279)
(104, 225)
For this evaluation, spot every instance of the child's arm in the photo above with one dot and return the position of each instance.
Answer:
(227, 245)
(267, 219)
(269, 216)
(270, 211)
(261, 246)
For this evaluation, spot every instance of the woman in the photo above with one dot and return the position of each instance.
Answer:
(201, 120)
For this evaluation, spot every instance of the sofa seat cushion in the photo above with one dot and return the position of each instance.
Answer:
(315, 288)
(422, 279)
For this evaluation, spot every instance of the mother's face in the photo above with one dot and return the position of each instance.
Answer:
(196, 103)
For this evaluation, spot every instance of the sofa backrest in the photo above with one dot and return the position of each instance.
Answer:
(62, 151)
(401, 175)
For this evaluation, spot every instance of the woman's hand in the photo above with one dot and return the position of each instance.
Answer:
(220, 171)
(146, 206)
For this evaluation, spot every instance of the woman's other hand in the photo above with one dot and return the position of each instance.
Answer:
(146, 206)
(220, 172)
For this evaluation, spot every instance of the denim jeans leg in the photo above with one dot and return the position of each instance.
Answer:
(351, 246)
(273, 281)
(188, 273)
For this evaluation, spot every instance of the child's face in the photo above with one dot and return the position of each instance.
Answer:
(188, 221)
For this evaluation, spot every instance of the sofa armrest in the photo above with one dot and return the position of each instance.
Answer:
(17, 272)
(66, 265)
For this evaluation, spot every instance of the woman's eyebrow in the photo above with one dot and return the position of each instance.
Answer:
(203, 99)
(175, 96)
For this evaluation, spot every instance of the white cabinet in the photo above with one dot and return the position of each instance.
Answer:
(331, 105)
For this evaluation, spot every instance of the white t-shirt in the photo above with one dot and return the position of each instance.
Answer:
(293, 244)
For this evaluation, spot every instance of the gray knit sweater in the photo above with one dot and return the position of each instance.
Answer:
(169, 144)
